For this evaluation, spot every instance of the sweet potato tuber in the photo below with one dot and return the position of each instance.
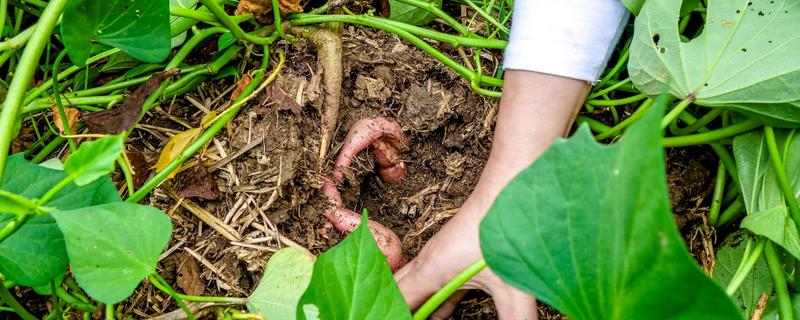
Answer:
(384, 138)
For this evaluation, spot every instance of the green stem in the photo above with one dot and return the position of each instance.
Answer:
(704, 120)
(432, 8)
(229, 300)
(780, 173)
(23, 75)
(716, 199)
(488, 17)
(440, 296)
(419, 43)
(618, 102)
(109, 312)
(732, 212)
(745, 266)
(192, 43)
(640, 112)
(59, 105)
(126, 172)
(609, 88)
(381, 23)
(19, 40)
(593, 124)
(192, 14)
(276, 15)
(673, 114)
(77, 102)
(618, 66)
(48, 149)
(38, 91)
(156, 278)
(229, 23)
(779, 282)
(711, 136)
(12, 302)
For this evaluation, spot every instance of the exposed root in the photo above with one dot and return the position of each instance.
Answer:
(385, 139)
(329, 62)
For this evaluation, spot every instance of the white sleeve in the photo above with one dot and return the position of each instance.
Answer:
(570, 38)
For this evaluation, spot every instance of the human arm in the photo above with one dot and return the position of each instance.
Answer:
(556, 49)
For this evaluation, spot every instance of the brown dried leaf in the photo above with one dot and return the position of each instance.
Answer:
(72, 119)
(262, 9)
(124, 116)
(241, 85)
(200, 184)
(189, 276)
(139, 166)
(284, 102)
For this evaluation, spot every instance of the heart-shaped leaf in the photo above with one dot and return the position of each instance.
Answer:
(35, 253)
(767, 213)
(353, 281)
(588, 230)
(286, 277)
(113, 247)
(745, 59)
(138, 27)
(94, 159)
(757, 282)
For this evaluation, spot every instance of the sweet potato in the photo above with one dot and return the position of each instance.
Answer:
(385, 139)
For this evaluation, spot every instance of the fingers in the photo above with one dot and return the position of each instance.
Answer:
(446, 309)
(510, 302)
(417, 283)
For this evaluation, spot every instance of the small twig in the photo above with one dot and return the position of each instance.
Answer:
(761, 306)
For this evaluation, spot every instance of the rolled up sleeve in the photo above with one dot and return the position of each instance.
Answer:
(570, 38)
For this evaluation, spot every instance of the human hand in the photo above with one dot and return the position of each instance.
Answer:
(536, 109)
(451, 251)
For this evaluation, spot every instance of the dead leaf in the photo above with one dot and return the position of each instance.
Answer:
(262, 9)
(124, 116)
(174, 146)
(139, 166)
(200, 184)
(241, 85)
(283, 101)
(72, 119)
(189, 276)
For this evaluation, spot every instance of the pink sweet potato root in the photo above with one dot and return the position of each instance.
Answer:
(385, 139)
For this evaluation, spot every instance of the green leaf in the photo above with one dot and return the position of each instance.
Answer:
(588, 230)
(286, 277)
(35, 253)
(634, 6)
(225, 41)
(771, 313)
(137, 27)
(776, 225)
(175, 20)
(94, 159)
(406, 13)
(767, 212)
(118, 62)
(113, 247)
(757, 282)
(14, 203)
(353, 281)
(745, 59)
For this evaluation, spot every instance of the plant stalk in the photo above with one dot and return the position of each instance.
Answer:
(780, 173)
(779, 281)
(451, 287)
(23, 75)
